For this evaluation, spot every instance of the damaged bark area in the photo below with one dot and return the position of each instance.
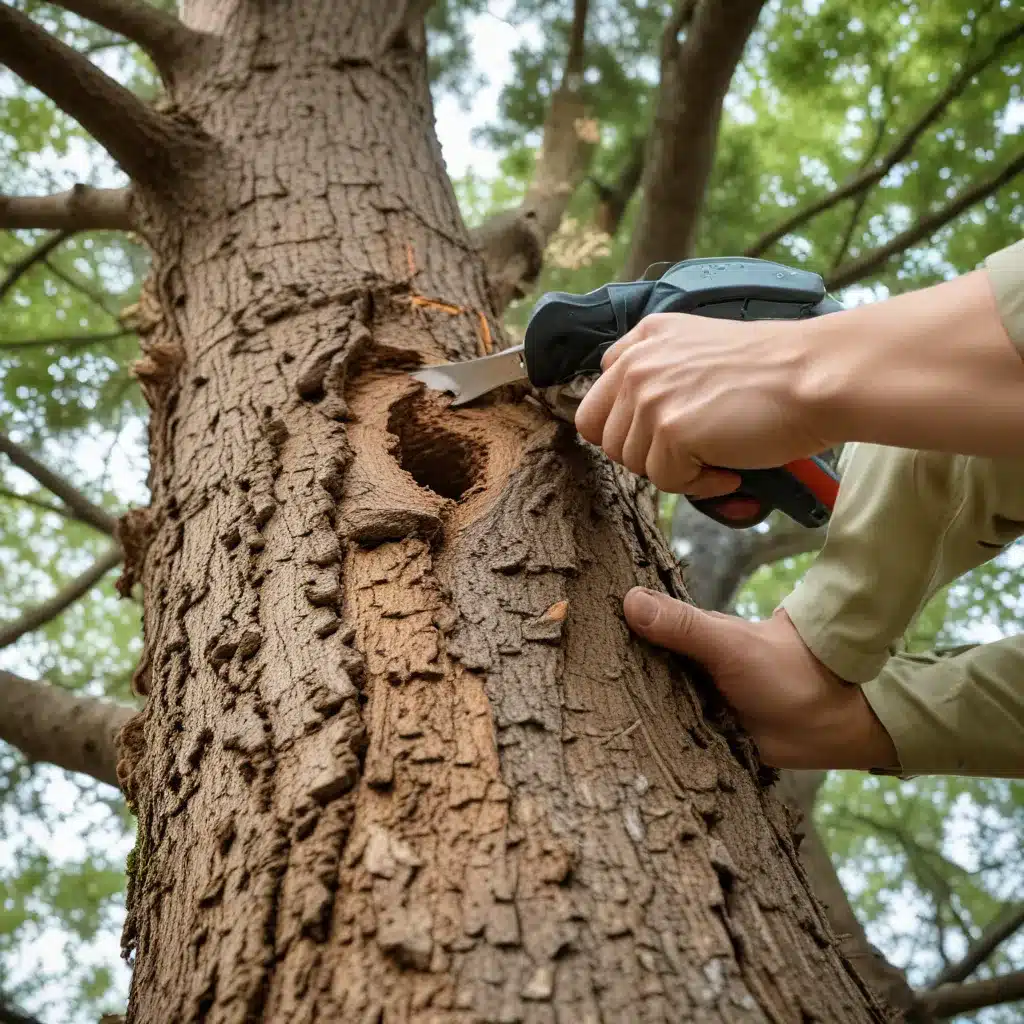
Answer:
(401, 759)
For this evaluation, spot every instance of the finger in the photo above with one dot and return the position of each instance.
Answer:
(617, 425)
(596, 405)
(675, 625)
(713, 483)
(670, 469)
(638, 440)
(641, 332)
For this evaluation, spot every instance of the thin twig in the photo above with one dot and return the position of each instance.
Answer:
(49, 609)
(30, 499)
(1005, 925)
(899, 151)
(83, 508)
(31, 258)
(925, 227)
(64, 341)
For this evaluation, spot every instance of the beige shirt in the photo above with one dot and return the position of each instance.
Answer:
(907, 523)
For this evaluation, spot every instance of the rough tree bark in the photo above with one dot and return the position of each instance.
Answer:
(400, 758)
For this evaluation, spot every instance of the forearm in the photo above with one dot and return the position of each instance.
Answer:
(937, 369)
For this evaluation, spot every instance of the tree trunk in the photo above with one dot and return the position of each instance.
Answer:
(401, 759)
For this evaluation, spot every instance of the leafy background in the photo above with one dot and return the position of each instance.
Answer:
(927, 862)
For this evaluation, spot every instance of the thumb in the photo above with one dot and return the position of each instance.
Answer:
(673, 624)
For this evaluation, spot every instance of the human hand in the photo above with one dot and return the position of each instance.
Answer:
(680, 393)
(799, 713)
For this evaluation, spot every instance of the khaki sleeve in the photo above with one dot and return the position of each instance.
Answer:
(961, 713)
(906, 523)
(1006, 272)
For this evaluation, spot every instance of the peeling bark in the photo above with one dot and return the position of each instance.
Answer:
(401, 757)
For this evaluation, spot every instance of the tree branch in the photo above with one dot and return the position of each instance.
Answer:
(29, 499)
(93, 295)
(54, 606)
(66, 341)
(926, 226)
(868, 177)
(998, 931)
(75, 500)
(143, 142)
(799, 791)
(48, 723)
(80, 208)
(613, 200)
(952, 1000)
(695, 77)
(30, 259)
(10, 1015)
(512, 242)
(161, 35)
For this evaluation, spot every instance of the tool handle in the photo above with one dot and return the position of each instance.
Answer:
(805, 490)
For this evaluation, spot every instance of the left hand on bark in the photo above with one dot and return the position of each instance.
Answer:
(681, 393)
(798, 712)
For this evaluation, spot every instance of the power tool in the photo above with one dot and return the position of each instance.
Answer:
(567, 335)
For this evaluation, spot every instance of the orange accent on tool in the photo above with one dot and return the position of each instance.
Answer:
(823, 486)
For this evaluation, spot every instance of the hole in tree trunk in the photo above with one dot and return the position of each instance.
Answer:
(437, 459)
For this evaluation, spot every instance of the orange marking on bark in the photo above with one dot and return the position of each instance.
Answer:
(557, 611)
(420, 300)
(410, 259)
(485, 336)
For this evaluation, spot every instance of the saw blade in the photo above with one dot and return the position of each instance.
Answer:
(475, 377)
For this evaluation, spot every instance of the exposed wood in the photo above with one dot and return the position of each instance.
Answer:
(80, 208)
(36, 254)
(148, 146)
(83, 507)
(951, 1000)
(695, 76)
(45, 611)
(925, 226)
(161, 35)
(901, 149)
(52, 725)
(512, 243)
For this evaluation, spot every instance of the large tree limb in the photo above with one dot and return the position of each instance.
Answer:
(952, 1000)
(926, 226)
(870, 176)
(75, 500)
(695, 77)
(512, 242)
(63, 599)
(161, 35)
(80, 208)
(47, 723)
(143, 142)
(1006, 924)
(35, 255)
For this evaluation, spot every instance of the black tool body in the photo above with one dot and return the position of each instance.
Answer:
(568, 334)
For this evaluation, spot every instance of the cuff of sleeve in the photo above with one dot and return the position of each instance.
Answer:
(1006, 274)
(945, 718)
(810, 612)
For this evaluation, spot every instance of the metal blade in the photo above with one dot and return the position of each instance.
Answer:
(475, 377)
